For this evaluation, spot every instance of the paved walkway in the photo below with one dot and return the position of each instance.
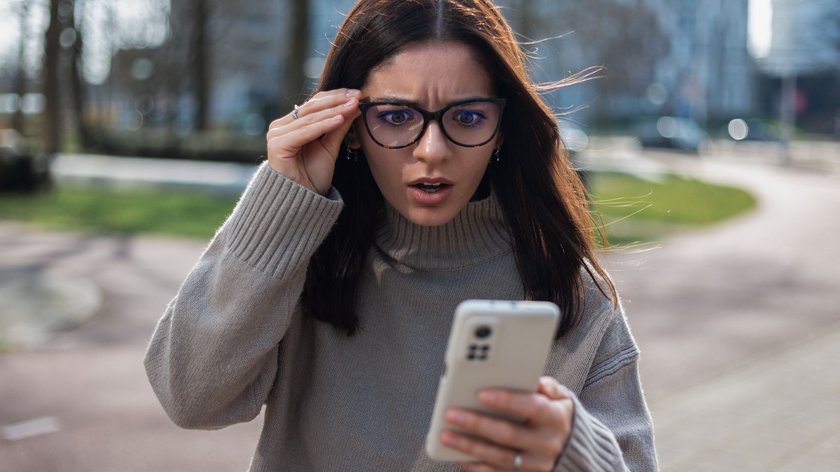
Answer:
(738, 324)
(86, 168)
(80, 401)
(780, 412)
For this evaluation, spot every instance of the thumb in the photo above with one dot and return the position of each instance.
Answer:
(552, 389)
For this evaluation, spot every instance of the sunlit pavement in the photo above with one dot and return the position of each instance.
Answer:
(86, 389)
(226, 177)
(739, 325)
(739, 328)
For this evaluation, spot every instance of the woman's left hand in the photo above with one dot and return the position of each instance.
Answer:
(539, 442)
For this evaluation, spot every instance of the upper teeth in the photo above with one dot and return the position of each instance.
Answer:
(431, 185)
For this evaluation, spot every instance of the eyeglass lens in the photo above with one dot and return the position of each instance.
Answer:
(467, 124)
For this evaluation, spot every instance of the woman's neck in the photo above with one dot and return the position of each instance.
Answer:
(478, 232)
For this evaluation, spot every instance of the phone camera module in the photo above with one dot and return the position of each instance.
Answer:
(483, 332)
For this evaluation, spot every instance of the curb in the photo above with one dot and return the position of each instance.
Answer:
(36, 304)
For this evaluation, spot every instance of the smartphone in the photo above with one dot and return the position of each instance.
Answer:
(493, 343)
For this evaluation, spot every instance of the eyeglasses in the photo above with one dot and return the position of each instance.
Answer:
(468, 123)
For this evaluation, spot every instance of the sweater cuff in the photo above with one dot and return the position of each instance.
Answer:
(591, 445)
(278, 222)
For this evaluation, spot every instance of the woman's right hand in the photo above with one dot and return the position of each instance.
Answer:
(304, 149)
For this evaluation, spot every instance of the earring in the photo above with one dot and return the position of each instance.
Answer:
(352, 154)
(496, 154)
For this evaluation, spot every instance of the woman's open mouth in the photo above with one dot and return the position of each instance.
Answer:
(430, 192)
(430, 188)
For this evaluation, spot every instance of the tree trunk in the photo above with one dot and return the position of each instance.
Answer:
(201, 66)
(78, 90)
(52, 91)
(20, 81)
(295, 80)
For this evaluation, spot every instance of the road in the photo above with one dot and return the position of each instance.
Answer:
(736, 323)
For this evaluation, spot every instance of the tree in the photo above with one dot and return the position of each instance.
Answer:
(294, 80)
(623, 36)
(62, 35)
(52, 85)
(201, 65)
(73, 42)
(570, 39)
(20, 80)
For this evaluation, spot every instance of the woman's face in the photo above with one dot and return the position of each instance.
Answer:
(430, 181)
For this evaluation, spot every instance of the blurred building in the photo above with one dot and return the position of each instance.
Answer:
(802, 66)
(708, 72)
(683, 57)
(805, 37)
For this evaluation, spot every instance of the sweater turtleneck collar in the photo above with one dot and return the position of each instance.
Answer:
(477, 233)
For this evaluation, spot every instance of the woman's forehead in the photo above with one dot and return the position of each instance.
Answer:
(431, 73)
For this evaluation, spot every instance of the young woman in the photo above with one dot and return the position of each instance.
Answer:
(424, 172)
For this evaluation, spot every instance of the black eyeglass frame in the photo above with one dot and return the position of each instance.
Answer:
(429, 116)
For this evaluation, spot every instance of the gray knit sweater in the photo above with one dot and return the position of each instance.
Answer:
(234, 340)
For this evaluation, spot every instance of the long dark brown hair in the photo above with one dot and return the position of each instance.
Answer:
(542, 198)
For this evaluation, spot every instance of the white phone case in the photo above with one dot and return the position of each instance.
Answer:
(493, 343)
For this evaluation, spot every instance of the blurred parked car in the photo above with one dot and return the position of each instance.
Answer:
(670, 132)
(752, 129)
(20, 169)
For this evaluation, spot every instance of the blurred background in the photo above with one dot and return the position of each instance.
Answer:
(202, 78)
(708, 137)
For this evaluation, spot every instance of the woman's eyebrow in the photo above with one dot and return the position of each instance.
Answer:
(469, 99)
(397, 100)
(403, 101)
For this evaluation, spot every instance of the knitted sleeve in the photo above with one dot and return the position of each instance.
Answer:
(612, 429)
(213, 356)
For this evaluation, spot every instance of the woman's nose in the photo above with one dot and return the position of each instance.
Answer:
(433, 145)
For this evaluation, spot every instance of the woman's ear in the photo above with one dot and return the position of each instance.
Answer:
(352, 138)
(500, 139)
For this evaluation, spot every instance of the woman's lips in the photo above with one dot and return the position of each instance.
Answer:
(430, 192)
(429, 181)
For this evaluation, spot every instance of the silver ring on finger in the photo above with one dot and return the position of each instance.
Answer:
(295, 112)
(517, 461)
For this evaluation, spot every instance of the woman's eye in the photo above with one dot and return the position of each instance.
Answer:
(396, 118)
(468, 118)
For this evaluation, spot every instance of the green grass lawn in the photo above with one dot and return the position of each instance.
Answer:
(121, 210)
(638, 210)
(633, 209)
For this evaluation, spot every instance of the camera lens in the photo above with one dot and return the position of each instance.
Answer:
(482, 332)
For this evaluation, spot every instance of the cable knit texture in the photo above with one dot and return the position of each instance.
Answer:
(234, 340)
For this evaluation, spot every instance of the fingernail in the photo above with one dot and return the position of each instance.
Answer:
(488, 396)
(349, 103)
(456, 417)
(352, 92)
